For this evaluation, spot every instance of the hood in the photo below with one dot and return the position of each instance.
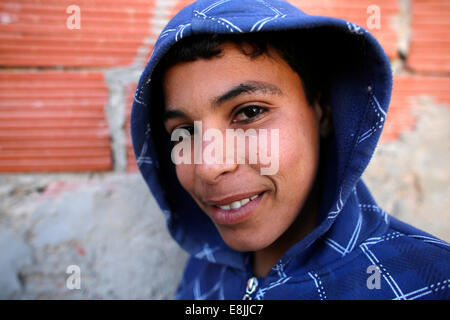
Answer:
(359, 95)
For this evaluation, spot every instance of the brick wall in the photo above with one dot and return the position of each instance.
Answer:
(54, 96)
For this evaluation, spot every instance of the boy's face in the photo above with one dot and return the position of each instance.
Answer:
(233, 91)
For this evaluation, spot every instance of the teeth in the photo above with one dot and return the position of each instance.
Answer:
(244, 202)
(238, 204)
(235, 205)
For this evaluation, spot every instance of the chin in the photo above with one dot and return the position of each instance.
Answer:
(244, 247)
(245, 242)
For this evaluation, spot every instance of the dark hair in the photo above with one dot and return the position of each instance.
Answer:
(298, 54)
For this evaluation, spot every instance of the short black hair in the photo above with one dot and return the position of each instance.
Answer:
(300, 55)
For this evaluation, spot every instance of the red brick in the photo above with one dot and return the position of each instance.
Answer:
(430, 40)
(129, 96)
(34, 33)
(53, 121)
(406, 91)
(356, 12)
(44, 165)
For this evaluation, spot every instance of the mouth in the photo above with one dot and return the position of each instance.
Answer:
(236, 209)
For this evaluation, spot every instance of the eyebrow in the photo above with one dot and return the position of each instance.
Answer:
(171, 114)
(245, 88)
(238, 90)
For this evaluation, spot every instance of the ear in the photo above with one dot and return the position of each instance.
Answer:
(323, 114)
(318, 110)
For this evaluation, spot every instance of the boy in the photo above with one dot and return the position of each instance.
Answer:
(308, 94)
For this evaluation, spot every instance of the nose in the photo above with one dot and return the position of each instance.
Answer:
(212, 173)
(215, 161)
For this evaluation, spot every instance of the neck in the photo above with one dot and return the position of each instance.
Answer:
(263, 260)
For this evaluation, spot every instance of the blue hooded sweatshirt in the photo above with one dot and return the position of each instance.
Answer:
(357, 250)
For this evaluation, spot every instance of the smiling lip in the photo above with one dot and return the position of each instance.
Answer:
(234, 216)
(229, 199)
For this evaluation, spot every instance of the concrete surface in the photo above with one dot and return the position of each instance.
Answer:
(410, 177)
(108, 225)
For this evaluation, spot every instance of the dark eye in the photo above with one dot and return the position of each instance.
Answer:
(248, 113)
(190, 130)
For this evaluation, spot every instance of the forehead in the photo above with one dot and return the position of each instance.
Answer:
(204, 79)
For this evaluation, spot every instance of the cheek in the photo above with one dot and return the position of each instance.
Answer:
(299, 155)
(299, 147)
(185, 175)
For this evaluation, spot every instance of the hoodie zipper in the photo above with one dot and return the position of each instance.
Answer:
(252, 285)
